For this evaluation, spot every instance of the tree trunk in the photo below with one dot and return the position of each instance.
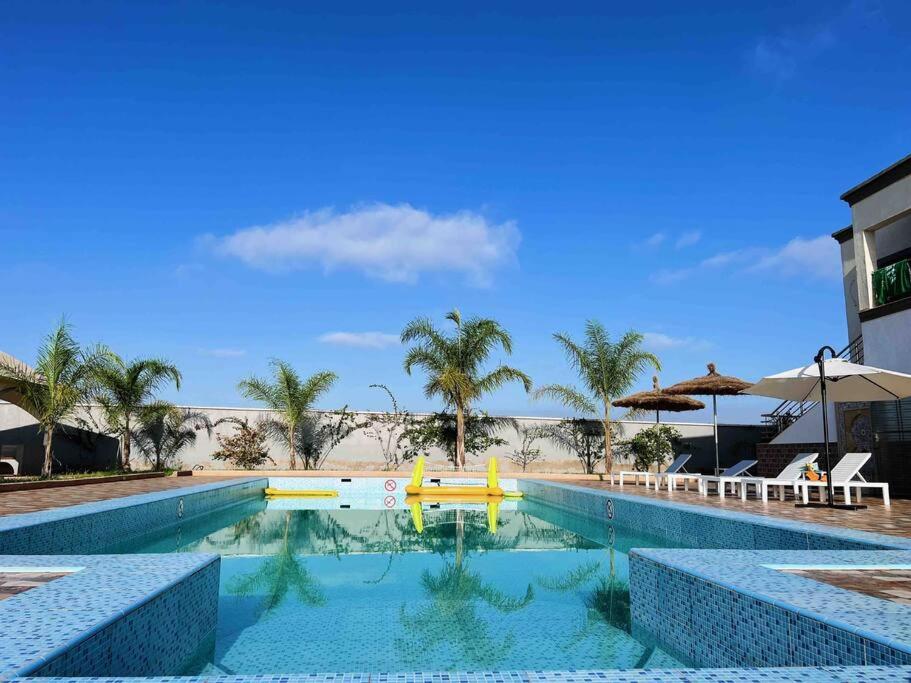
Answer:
(460, 438)
(126, 445)
(157, 461)
(608, 446)
(292, 453)
(48, 452)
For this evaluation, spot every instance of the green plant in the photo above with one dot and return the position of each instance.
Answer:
(246, 448)
(162, 435)
(388, 430)
(440, 430)
(454, 365)
(607, 370)
(126, 393)
(52, 391)
(526, 453)
(580, 437)
(290, 398)
(319, 433)
(653, 446)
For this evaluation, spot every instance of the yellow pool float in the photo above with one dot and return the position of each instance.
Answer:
(315, 493)
(417, 488)
(417, 511)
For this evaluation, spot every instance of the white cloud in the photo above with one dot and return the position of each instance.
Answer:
(782, 55)
(688, 239)
(658, 341)
(655, 240)
(223, 353)
(361, 340)
(394, 243)
(668, 276)
(818, 257)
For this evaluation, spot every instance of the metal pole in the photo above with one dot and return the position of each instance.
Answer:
(821, 364)
(825, 428)
(715, 425)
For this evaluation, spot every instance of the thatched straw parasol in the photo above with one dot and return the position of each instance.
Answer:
(714, 385)
(658, 399)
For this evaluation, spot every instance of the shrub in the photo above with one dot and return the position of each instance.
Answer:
(246, 448)
(653, 446)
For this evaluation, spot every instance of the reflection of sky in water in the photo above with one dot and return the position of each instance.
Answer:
(353, 590)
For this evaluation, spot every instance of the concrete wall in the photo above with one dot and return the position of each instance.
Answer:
(887, 341)
(808, 428)
(849, 284)
(360, 452)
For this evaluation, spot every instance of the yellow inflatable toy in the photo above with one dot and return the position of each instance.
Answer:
(417, 512)
(316, 493)
(417, 488)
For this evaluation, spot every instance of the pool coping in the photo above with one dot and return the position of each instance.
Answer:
(24, 519)
(847, 534)
(753, 573)
(98, 591)
(832, 674)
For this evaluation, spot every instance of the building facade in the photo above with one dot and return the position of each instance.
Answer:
(876, 269)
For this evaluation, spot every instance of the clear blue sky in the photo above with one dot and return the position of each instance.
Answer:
(224, 183)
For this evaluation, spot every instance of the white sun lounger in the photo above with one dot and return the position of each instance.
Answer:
(843, 477)
(731, 476)
(674, 467)
(672, 475)
(791, 475)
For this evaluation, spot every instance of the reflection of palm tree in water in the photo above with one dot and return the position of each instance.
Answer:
(608, 602)
(281, 573)
(455, 593)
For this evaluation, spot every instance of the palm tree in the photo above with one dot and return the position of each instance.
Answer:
(607, 369)
(126, 393)
(163, 434)
(51, 391)
(289, 397)
(454, 364)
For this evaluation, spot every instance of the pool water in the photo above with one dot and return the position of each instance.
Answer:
(342, 590)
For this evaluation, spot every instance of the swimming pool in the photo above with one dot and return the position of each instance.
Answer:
(322, 590)
(571, 584)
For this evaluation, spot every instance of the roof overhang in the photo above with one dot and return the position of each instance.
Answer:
(900, 169)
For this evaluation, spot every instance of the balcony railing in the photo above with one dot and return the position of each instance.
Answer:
(892, 282)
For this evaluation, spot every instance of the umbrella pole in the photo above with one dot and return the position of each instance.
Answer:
(830, 486)
(715, 427)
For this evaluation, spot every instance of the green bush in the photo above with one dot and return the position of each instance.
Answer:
(653, 446)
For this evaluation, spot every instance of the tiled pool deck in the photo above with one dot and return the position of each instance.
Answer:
(18, 502)
(729, 608)
(876, 518)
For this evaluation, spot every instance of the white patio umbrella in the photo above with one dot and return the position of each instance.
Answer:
(833, 379)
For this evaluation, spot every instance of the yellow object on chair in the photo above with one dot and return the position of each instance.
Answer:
(417, 488)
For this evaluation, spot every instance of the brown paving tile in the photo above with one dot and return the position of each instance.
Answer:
(16, 502)
(13, 583)
(894, 521)
(885, 584)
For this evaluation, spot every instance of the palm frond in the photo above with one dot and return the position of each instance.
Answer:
(569, 396)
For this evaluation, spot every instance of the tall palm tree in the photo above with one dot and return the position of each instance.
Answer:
(454, 364)
(163, 434)
(51, 391)
(126, 393)
(607, 370)
(290, 397)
